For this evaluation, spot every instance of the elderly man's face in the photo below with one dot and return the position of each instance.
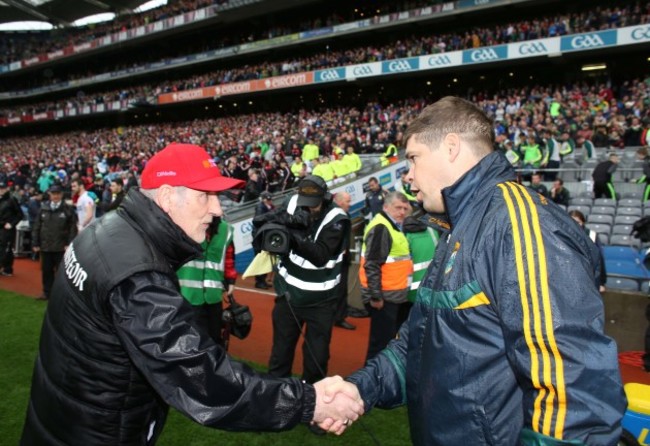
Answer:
(397, 210)
(56, 197)
(193, 211)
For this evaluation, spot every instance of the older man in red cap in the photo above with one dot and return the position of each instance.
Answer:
(120, 344)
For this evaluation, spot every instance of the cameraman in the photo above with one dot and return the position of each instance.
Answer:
(307, 278)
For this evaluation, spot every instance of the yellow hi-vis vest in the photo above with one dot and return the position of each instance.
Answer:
(396, 271)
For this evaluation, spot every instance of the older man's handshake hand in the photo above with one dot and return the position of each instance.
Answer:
(338, 404)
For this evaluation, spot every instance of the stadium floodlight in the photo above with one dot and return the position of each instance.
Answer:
(26, 26)
(150, 5)
(594, 67)
(96, 18)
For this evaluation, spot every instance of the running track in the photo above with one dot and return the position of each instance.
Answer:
(347, 351)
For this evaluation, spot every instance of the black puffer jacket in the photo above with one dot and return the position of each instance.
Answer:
(119, 345)
(54, 229)
(10, 211)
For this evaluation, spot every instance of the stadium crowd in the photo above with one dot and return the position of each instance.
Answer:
(580, 115)
(20, 46)
(596, 18)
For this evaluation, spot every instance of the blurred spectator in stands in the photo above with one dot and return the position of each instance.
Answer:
(601, 272)
(390, 155)
(100, 191)
(310, 151)
(131, 181)
(85, 204)
(374, 201)
(531, 153)
(352, 159)
(338, 166)
(285, 176)
(511, 154)
(116, 190)
(642, 155)
(10, 216)
(45, 180)
(560, 194)
(633, 133)
(537, 185)
(322, 168)
(254, 186)
(602, 176)
(298, 168)
(551, 159)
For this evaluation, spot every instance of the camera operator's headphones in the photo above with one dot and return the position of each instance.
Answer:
(321, 184)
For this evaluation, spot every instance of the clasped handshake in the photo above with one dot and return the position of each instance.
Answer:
(338, 404)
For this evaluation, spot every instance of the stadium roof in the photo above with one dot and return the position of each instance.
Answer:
(61, 12)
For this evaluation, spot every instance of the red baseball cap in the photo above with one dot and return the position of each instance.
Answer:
(185, 165)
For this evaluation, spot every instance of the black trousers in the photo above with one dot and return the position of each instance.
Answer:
(49, 265)
(342, 291)
(384, 325)
(7, 238)
(318, 321)
(210, 317)
(551, 176)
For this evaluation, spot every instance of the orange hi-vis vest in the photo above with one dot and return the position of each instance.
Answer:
(397, 270)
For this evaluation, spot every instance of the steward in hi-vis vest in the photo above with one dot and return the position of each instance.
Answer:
(204, 280)
(422, 240)
(385, 272)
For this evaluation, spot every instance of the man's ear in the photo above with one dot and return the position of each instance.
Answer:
(451, 144)
(164, 197)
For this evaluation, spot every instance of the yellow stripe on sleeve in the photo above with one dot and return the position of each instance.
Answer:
(548, 317)
(523, 293)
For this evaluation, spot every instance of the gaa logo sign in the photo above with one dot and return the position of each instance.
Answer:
(641, 33)
(334, 74)
(587, 41)
(396, 66)
(529, 49)
(439, 61)
(483, 55)
(362, 70)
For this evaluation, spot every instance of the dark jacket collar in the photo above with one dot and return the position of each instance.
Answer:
(158, 229)
(480, 179)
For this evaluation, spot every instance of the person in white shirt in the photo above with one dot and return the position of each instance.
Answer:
(85, 204)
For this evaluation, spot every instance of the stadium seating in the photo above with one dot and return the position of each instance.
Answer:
(622, 283)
